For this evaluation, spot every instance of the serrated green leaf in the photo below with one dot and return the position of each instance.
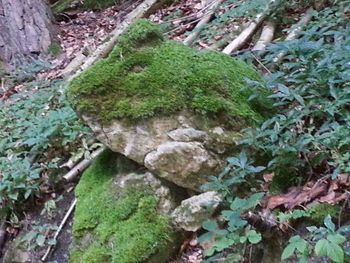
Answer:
(336, 238)
(288, 251)
(210, 225)
(321, 247)
(301, 245)
(335, 252)
(40, 240)
(205, 237)
(328, 223)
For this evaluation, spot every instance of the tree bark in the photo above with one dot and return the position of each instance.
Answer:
(26, 30)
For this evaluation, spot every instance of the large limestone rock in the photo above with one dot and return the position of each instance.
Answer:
(184, 163)
(181, 148)
(170, 108)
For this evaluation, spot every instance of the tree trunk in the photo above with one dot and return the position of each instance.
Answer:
(26, 30)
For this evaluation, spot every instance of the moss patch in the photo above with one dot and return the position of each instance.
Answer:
(113, 225)
(64, 5)
(147, 75)
(318, 212)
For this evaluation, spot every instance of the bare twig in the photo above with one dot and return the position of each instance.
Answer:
(80, 167)
(63, 222)
(261, 64)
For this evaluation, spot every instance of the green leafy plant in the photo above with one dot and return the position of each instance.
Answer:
(322, 242)
(236, 231)
(39, 236)
(38, 131)
(232, 231)
(307, 138)
(236, 171)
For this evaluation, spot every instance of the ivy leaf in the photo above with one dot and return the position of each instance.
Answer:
(210, 225)
(301, 245)
(40, 240)
(288, 251)
(335, 252)
(205, 237)
(328, 223)
(321, 247)
(336, 238)
(254, 237)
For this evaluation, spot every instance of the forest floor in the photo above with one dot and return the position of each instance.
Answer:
(85, 31)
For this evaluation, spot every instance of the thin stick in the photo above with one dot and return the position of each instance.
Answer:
(80, 167)
(64, 220)
(258, 60)
(205, 19)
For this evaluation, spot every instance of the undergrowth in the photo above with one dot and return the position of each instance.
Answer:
(308, 138)
(38, 132)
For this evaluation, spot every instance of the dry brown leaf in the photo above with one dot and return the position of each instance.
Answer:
(268, 177)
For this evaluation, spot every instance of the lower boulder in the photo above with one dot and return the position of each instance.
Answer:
(193, 211)
(120, 216)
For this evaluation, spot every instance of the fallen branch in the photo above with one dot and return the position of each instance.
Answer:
(64, 220)
(81, 62)
(249, 31)
(245, 36)
(205, 19)
(266, 36)
(80, 167)
(295, 31)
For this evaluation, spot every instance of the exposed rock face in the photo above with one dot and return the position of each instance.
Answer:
(181, 148)
(193, 211)
(184, 163)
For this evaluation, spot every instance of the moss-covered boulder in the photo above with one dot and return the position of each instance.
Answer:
(146, 75)
(121, 217)
(173, 109)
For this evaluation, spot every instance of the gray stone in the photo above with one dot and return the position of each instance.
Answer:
(166, 202)
(186, 164)
(187, 135)
(183, 148)
(193, 211)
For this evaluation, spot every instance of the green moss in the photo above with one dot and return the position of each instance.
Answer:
(61, 6)
(99, 4)
(64, 5)
(122, 224)
(147, 75)
(318, 212)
